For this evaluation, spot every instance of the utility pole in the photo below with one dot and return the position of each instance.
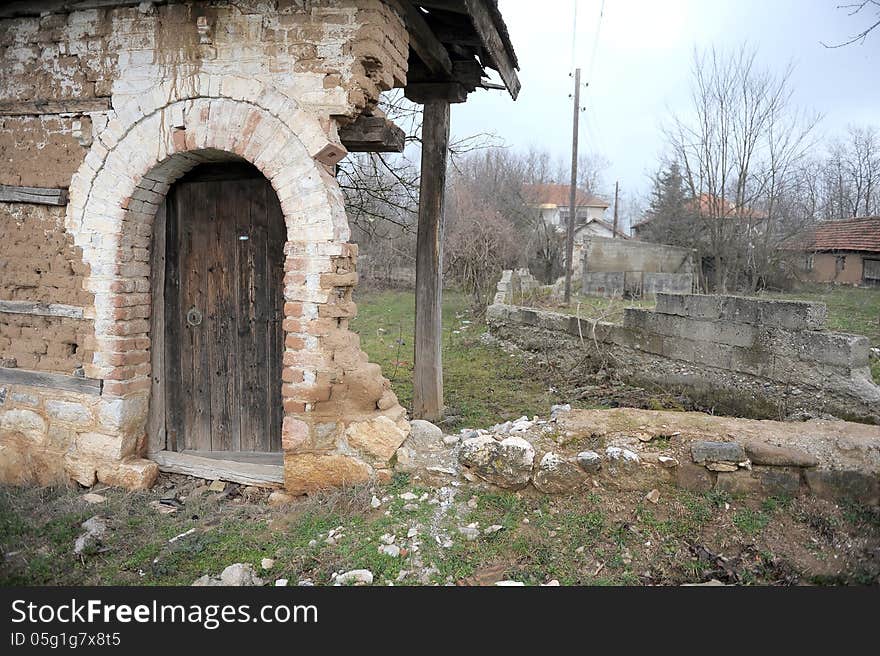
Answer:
(572, 198)
(616, 190)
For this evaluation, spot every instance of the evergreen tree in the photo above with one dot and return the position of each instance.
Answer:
(671, 211)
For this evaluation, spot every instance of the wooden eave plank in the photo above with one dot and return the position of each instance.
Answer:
(494, 45)
(424, 43)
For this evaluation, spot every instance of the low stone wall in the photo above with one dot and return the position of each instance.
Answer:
(748, 357)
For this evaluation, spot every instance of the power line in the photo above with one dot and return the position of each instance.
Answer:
(595, 44)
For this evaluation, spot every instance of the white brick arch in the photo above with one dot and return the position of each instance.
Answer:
(117, 191)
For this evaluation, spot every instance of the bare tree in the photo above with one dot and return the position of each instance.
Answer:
(738, 149)
(854, 9)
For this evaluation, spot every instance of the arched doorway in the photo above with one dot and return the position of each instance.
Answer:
(219, 240)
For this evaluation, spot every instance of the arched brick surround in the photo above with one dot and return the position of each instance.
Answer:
(342, 423)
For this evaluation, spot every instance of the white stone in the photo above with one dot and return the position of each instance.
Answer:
(354, 577)
(424, 432)
(389, 550)
(620, 454)
(240, 574)
(267, 563)
(510, 584)
(68, 411)
(470, 533)
(26, 422)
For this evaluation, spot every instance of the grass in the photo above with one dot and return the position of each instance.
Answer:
(482, 384)
(602, 538)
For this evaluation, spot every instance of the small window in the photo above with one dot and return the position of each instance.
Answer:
(839, 263)
(807, 263)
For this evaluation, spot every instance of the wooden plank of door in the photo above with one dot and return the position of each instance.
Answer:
(197, 220)
(221, 342)
(277, 239)
(156, 418)
(254, 323)
(174, 410)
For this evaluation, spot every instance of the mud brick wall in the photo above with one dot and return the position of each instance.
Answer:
(750, 357)
(117, 102)
(39, 262)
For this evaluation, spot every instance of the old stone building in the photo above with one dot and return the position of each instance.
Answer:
(175, 269)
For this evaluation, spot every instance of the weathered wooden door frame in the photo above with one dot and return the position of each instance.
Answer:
(222, 465)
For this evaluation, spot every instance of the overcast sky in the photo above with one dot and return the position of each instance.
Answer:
(641, 71)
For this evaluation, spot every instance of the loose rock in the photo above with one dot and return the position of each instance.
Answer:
(555, 475)
(703, 451)
(240, 574)
(589, 461)
(95, 531)
(279, 498)
(424, 434)
(507, 464)
(761, 453)
(354, 577)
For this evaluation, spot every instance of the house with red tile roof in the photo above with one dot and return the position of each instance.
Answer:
(845, 252)
(706, 206)
(553, 201)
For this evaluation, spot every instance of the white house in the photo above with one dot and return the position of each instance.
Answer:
(553, 202)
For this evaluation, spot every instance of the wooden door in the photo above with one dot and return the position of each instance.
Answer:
(223, 307)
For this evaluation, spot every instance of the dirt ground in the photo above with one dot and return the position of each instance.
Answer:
(462, 535)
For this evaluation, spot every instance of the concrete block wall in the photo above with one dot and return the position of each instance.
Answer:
(618, 267)
(747, 356)
(515, 285)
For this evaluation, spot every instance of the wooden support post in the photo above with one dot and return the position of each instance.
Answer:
(428, 375)
(572, 197)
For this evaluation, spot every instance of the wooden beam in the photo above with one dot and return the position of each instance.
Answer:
(14, 376)
(423, 42)
(37, 107)
(428, 374)
(37, 195)
(493, 44)
(247, 473)
(41, 309)
(372, 134)
(38, 7)
(423, 92)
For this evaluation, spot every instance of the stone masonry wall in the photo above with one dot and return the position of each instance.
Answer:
(183, 83)
(743, 356)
